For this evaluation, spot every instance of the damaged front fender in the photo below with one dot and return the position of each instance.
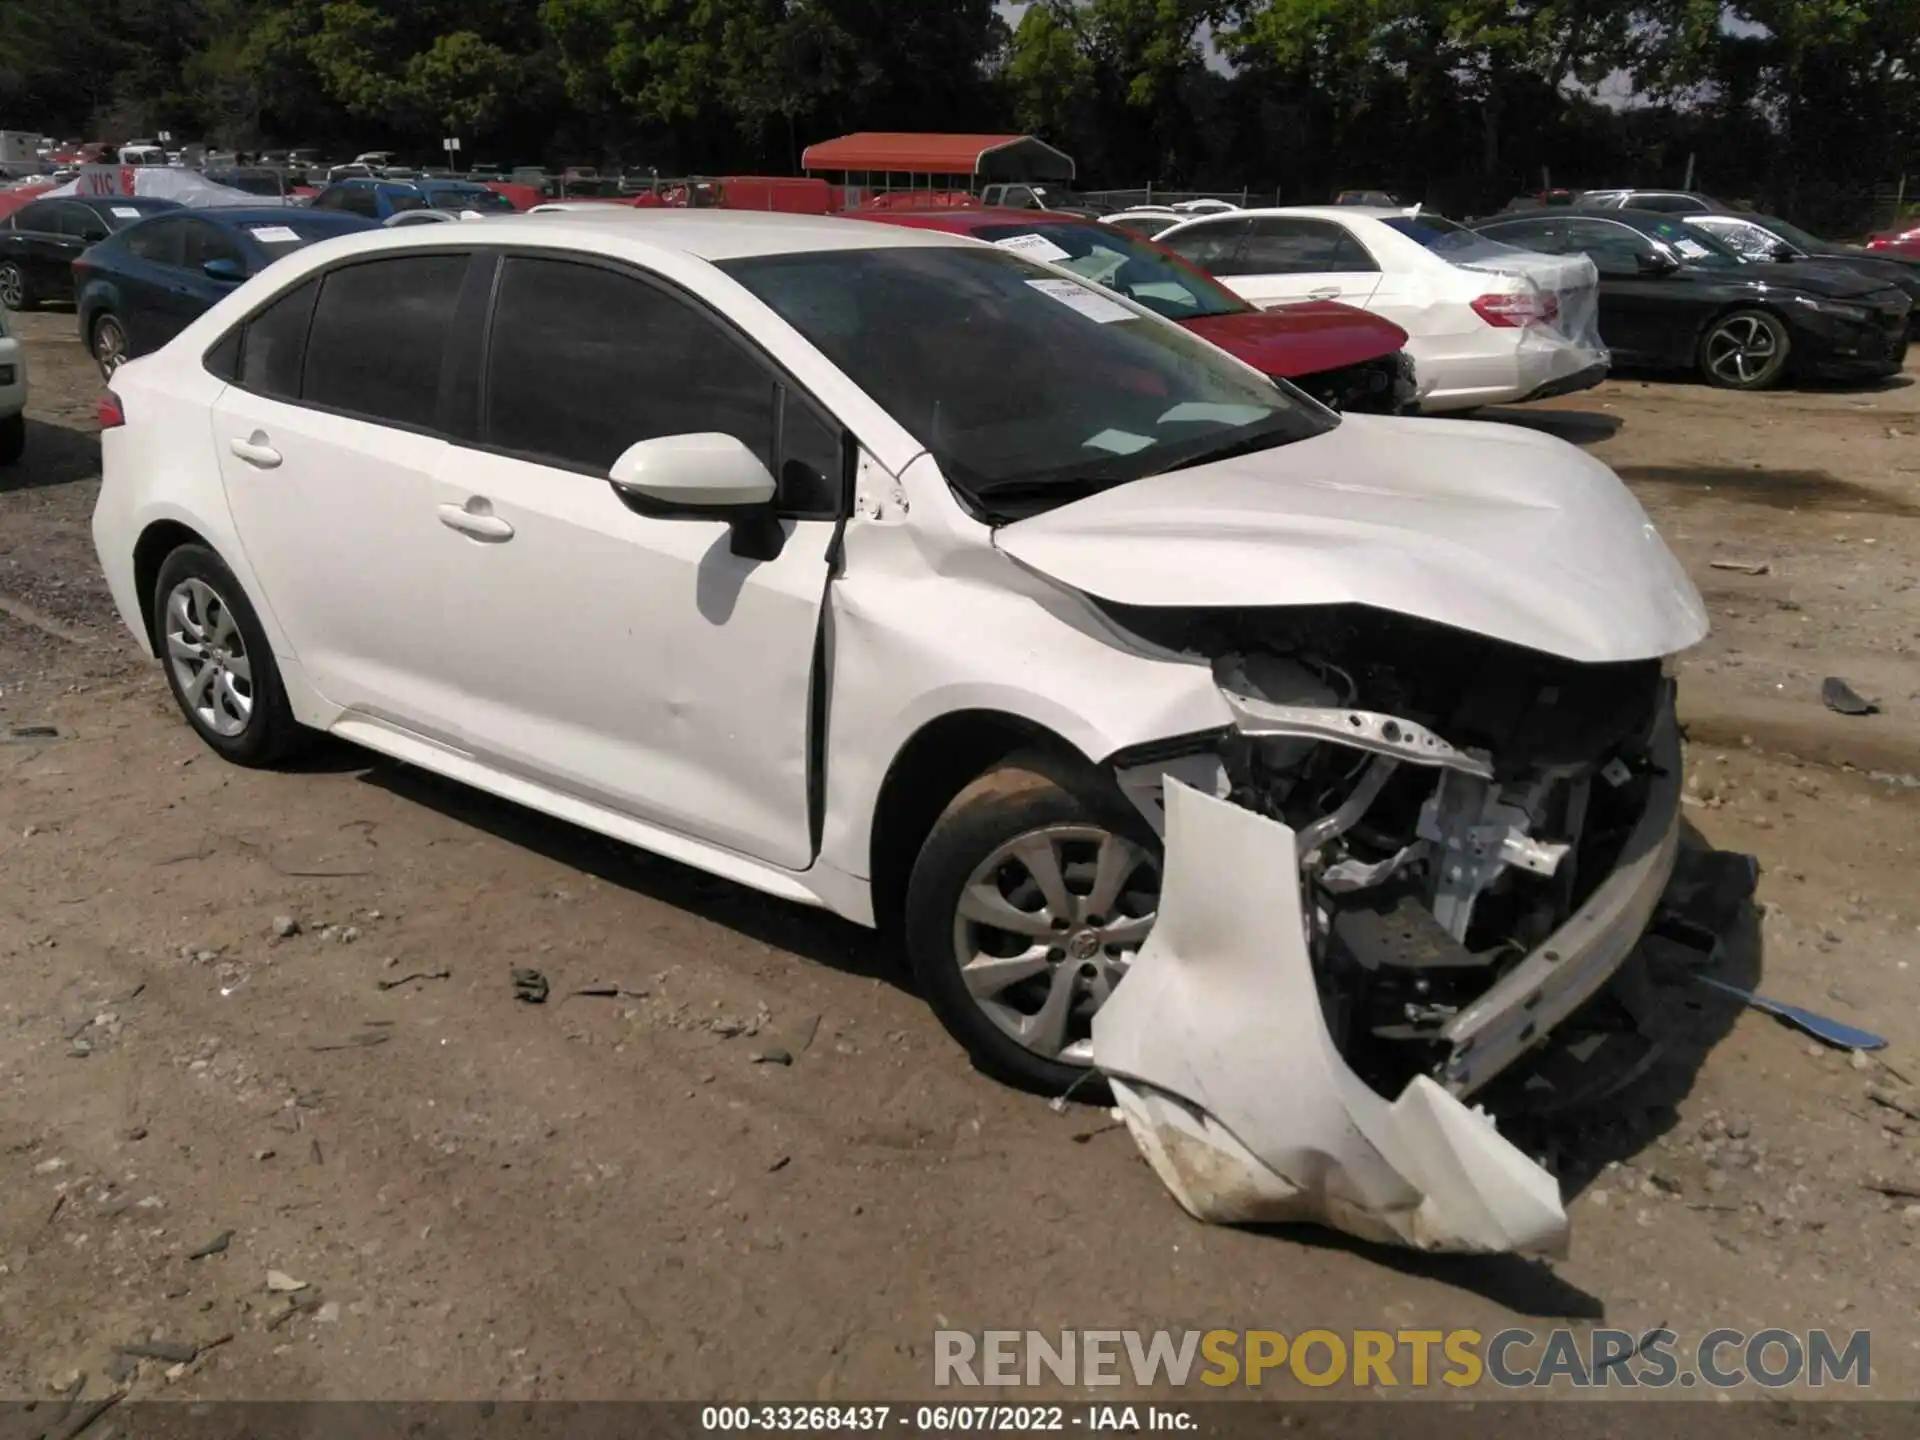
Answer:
(1228, 1078)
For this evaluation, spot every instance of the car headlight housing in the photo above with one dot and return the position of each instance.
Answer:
(1838, 309)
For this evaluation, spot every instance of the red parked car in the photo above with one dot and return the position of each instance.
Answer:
(1345, 358)
(1903, 243)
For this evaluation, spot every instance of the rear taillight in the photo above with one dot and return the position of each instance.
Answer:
(1514, 311)
(111, 415)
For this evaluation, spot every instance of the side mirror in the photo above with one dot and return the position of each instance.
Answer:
(703, 476)
(692, 474)
(228, 272)
(1782, 253)
(1655, 263)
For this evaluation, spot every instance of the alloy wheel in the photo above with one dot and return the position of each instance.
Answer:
(1047, 925)
(1740, 349)
(209, 658)
(13, 287)
(109, 345)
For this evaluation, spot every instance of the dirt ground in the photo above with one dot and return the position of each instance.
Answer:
(607, 1197)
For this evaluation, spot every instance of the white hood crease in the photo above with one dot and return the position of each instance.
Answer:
(1487, 528)
(1225, 1074)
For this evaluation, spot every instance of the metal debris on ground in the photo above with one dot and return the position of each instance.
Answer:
(772, 1055)
(364, 1040)
(1743, 567)
(216, 1246)
(1830, 1032)
(1841, 698)
(530, 986)
(607, 992)
(174, 1352)
(28, 734)
(416, 975)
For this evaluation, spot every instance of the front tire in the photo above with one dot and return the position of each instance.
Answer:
(1745, 350)
(15, 292)
(13, 438)
(218, 663)
(1027, 904)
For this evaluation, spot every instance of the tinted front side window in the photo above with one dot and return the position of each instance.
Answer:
(379, 337)
(1614, 249)
(586, 361)
(276, 343)
(80, 222)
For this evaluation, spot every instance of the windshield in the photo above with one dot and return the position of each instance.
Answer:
(460, 197)
(1029, 388)
(1697, 247)
(1793, 235)
(1145, 274)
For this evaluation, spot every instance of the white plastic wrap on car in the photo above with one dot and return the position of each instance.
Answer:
(1225, 1073)
(1567, 286)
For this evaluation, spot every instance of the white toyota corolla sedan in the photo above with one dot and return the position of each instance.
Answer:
(891, 572)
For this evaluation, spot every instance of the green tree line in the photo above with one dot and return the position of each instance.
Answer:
(1804, 104)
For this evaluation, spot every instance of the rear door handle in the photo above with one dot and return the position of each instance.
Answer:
(1325, 292)
(255, 451)
(484, 526)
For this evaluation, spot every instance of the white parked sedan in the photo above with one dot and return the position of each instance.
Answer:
(13, 395)
(891, 572)
(1482, 328)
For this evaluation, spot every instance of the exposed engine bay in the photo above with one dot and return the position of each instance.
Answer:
(1455, 801)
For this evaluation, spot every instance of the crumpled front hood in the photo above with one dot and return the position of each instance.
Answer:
(1488, 528)
(1304, 339)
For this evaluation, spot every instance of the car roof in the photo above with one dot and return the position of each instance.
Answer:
(238, 215)
(736, 233)
(1300, 212)
(106, 202)
(964, 220)
(710, 235)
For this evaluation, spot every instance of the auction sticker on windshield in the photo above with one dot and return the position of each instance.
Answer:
(1088, 302)
(125, 212)
(1034, 247)
(275, 234)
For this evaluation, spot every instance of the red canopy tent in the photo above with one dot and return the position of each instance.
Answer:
(978, 158)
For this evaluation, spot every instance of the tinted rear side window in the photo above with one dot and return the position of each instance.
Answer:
(379, 336)
(276, 343)
(585, 362)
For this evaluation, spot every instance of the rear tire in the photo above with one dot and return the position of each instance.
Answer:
(1053, 850)
(218, 663)
(107, 340)
(1745, 350)
(13, 438)
(15, 292)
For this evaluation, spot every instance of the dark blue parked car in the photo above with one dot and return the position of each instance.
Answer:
(384, 199)
(138, 289)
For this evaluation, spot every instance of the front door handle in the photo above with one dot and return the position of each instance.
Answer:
(255, 451)
(482, 525)
(1325, 292)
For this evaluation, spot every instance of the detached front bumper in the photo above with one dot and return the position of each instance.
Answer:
(1228, 1078)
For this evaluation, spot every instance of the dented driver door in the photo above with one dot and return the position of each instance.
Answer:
(653, 664)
